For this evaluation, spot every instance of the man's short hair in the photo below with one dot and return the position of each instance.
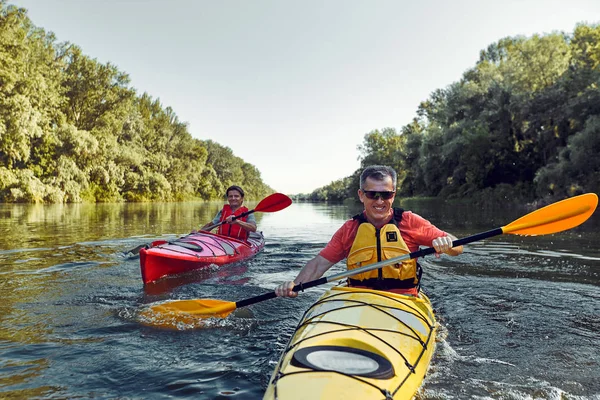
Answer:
(379, 173)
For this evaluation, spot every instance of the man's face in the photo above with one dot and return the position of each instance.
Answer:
(234, 198)
(377, 208)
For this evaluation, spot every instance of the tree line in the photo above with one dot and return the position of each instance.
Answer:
(73, 130)
(522, 124)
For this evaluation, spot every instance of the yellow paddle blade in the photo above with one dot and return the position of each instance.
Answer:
(201, 308)
(556, 217)
(184, 314)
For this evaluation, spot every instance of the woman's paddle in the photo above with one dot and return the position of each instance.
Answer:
(557, 217)
(272, 203)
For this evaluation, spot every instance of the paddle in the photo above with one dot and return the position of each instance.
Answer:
(556, 217)
(272, 203)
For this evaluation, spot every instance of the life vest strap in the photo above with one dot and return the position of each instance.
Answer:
(386, 283)
(396, 218)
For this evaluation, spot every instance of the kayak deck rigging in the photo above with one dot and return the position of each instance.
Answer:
(395, 325)
(223, 245)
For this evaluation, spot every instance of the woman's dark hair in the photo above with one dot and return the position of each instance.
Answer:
(234, 187)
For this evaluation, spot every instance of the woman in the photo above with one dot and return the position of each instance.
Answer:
(240, 227)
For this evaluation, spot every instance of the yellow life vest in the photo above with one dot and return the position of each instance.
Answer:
(372, 245)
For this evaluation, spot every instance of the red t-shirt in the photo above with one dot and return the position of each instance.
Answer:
(415, 230)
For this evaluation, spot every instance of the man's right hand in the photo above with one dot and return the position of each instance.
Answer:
(285, 290)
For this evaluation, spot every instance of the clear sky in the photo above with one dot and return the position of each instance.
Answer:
(293, 86)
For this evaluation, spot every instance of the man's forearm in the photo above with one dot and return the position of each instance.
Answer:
(314, 269)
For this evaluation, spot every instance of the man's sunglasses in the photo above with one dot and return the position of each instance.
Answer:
(371, 194)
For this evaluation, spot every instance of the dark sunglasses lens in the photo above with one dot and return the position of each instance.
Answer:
(384, 195)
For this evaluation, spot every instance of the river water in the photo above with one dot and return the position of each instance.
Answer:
(519, 316)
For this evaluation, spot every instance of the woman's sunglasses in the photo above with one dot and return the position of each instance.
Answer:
(371, 194)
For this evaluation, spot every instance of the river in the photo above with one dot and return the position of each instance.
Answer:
(519, 316)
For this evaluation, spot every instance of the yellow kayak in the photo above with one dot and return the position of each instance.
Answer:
(357, 344)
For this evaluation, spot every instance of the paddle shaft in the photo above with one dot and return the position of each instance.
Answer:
(234, 218)
(271, 203)
(370, 267)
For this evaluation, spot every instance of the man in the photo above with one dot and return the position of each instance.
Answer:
(379, 233)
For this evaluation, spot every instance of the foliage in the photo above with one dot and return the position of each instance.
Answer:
(72, 130)
(336, 191)
(578, 168)
(523, 123)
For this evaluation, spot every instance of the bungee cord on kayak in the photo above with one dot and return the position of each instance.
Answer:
(381, 341)
(208, 245)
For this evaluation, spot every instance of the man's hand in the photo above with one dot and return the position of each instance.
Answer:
(285, 290)
(441, 245)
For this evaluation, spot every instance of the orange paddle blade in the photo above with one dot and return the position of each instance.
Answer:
(556, 217)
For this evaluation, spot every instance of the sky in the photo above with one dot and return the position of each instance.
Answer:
(292, 87)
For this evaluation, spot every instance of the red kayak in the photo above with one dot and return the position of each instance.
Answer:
(195, 251)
